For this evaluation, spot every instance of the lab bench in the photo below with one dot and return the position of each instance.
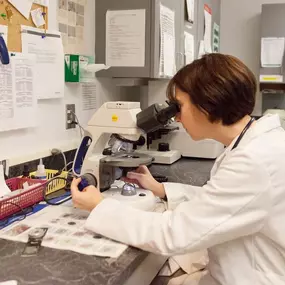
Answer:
(57, 267)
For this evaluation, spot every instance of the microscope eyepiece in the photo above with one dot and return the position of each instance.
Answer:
(156, 116)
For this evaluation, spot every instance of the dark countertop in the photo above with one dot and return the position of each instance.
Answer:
(54, 267)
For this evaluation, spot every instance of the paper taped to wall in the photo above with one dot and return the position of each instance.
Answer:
(50, 61)
(190, 10)
(42, 2)
(89, 97)
(189, 48)
(208, 29)
(18, 104)
(23, 6)
(272, 52)
(125, 38)
(167, 63)
(37, 17)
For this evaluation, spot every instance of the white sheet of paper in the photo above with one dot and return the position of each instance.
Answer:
(23, 6)
(189, 48)
(190, 10)
(167, 64)
(4, 32)
(12, 282)
(95, 67)
(125, 38)
(201, 51)
(50, 58)
(89, 96)
(65, 232)
(208, 29)
(42, 2)
(272, 52)
(37, 17)
(18, 103)
(169, 55)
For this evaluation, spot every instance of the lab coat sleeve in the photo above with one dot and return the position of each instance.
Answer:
(177, 193)
(234, 203)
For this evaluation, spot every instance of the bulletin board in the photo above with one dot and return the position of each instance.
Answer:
(14, 25)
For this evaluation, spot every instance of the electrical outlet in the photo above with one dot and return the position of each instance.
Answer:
(70, 116)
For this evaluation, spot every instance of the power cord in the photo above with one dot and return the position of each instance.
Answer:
(81, 129)
(19, 216)
(56, 151)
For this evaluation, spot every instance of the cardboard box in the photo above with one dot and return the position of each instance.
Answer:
(74, 68)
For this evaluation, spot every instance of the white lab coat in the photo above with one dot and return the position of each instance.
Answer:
(238, 215)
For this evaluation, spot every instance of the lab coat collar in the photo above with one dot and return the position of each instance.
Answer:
(263, 125)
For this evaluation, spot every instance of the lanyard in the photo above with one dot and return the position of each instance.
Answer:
(243, 132)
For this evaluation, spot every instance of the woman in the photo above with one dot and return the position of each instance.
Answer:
(238, 214)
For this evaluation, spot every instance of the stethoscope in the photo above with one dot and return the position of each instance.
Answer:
(243, 133)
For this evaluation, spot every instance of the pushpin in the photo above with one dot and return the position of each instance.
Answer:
(13, 54)
(3, 16)
(9, 12)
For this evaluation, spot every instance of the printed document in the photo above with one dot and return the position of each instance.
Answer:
(48, 48)
(23, 6)
(189, 48)
(167, 64)
(125, 38)
(272, 52)
(65, 231)
(18, 103)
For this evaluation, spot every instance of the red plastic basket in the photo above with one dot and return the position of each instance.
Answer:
(23, 200)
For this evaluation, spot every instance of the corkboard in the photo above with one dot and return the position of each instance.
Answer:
(14, 26)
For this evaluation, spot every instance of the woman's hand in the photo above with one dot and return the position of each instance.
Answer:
(144, 179)
(87, 199)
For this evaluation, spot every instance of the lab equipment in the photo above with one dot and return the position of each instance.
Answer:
(87, 179)
(34, 242)
(156, 121)
(107, 151)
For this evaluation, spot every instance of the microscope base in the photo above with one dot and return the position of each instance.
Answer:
(163, 157)
(143, 200)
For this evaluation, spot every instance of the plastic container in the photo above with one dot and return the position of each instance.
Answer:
(41, 172)
(12, 205)
(56, 184)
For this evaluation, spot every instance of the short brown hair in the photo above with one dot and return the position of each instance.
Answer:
(219, 85)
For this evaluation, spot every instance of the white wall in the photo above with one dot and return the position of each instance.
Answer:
(26, 144)
(240, 33)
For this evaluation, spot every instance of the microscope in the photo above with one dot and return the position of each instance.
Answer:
(109, 149)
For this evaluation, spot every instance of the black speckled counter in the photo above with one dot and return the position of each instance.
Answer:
(54, 267)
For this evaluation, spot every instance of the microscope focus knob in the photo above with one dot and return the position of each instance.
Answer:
(163, 147)
(87, 179)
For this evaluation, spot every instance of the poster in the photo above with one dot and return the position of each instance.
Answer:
(216, 38)
(208, 29)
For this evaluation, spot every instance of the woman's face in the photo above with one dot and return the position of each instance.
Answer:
(193, 120)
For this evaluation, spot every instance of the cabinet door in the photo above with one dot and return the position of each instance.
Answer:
(101, 9)
(177, 6)
(215, 6)
(272, 25)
